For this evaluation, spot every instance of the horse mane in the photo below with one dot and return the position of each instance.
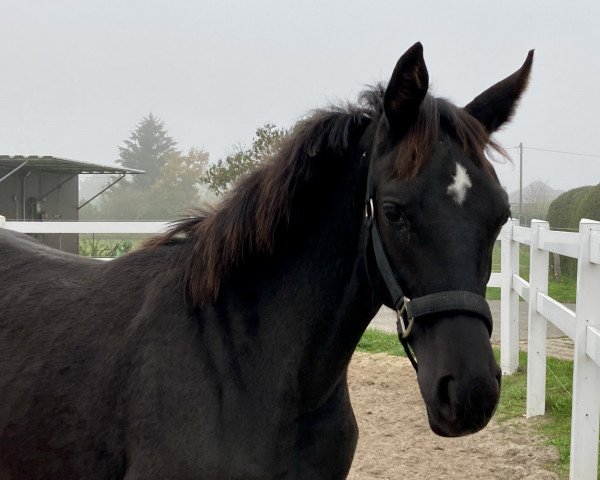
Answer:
(246, 221)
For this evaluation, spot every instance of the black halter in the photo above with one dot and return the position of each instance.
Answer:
(408, 310)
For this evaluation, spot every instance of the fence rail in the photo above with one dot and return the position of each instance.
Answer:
(86, 227)
(582, 326)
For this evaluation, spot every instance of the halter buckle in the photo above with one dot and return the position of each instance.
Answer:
(404, 329)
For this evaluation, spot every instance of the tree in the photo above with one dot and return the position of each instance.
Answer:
(221, 176)
(177, 189)
(148, 148)
(124, 201)
(538, 196)
(171, 185)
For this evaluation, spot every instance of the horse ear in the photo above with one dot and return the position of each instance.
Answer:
(407, 89)
(496, 105)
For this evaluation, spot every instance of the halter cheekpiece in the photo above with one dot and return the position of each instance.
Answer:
(408, 310)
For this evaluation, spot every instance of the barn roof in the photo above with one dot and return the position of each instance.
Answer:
(61, 165)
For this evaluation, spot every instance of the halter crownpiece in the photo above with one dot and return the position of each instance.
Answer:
(408, 310)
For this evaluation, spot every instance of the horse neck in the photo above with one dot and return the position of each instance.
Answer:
(315, 292)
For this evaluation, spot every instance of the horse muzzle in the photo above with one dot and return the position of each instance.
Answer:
(463, 405)
(458, 375)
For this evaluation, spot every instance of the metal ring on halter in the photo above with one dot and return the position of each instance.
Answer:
(369, 209)
(404, 329)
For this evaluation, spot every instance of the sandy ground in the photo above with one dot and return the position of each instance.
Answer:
(396, 442)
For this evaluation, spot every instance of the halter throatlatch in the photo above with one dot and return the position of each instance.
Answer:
(408, 310)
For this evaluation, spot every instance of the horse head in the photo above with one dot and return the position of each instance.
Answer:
(438, 207)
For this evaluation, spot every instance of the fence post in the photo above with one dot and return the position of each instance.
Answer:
(586, 374)
(509, 301)
(537, 325)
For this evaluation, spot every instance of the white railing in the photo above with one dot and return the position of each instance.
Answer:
(582, 327)
(85, 227)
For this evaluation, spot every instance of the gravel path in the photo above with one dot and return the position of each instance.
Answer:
(396, 442)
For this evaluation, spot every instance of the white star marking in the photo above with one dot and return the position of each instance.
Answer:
(460, 184)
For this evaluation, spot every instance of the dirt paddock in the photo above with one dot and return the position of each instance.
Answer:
(396, 442)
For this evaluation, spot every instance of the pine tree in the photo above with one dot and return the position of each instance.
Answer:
(148, 148)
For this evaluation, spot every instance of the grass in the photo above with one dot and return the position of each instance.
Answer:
(376, 341)
(555, 426)
(492, 293)
(563, 290)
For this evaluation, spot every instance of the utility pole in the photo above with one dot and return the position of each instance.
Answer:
(520, 181)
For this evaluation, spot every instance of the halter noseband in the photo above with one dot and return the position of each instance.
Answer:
(408, 310)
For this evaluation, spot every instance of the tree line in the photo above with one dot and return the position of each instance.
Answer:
(175, 181)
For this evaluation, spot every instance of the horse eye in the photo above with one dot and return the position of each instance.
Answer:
(392, 212)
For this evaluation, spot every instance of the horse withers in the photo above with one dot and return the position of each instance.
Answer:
(221, 349)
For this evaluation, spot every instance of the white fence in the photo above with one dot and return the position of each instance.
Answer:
(85, 227)
(582, 327)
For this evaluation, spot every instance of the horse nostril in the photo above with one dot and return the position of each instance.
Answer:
(443, 392)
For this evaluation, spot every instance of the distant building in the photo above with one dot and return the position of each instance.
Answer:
(46, 188)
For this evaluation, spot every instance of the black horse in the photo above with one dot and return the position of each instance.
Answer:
(221, 349)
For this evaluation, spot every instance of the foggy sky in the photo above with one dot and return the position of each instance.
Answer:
(76, 77)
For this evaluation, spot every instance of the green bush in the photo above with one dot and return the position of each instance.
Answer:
(563, 212)
(103, 248)
(568, 209)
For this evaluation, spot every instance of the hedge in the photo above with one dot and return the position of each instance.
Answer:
(568, 209)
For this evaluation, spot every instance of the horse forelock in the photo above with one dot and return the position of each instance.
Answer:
(439, 115)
